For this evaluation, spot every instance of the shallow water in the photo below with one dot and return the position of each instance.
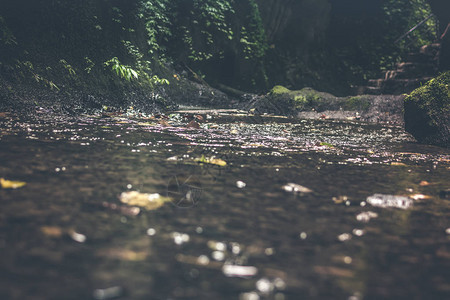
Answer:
(243, 230)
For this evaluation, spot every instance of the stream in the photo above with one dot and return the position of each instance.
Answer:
(245, 207)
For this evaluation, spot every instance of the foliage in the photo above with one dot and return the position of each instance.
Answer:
(6, 35)
(123, 71)
(156, 17)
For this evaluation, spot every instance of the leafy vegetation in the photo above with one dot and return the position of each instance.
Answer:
(248, 45)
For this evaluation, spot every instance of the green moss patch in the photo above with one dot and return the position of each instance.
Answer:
(427, 111)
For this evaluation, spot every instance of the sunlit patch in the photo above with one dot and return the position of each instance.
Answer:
(381, 200)
(366, 216)
(296, 188)
(180, 238)
(239, 271)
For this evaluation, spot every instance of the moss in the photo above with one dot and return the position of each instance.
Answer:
(359, 103)
(433, 97)
(427, 111)
(278, 89)
(302, 100)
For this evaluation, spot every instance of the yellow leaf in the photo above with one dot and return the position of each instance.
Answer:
(147, 201)
(396, 163)
(212, 160)
(8, 184)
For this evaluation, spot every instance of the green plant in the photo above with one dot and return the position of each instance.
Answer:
(26, 69)
(68, 67)
(122, 71)
(156, 17)
(89, 64)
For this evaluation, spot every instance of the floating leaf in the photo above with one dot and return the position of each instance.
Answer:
(212, 160)
(424, 183)
(8, 184)
(147, 201)
(396, 163)
(52, 231)
(325, 144)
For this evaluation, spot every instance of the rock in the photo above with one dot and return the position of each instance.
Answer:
(384, 201)
(427, 112)
(311, 104)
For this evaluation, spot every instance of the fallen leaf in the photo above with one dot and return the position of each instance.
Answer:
(147, 201)
(419, 197)
(198, 117)
(123, 254)
(52, 231)
(212, 160)
(424, 183)
(325, 144)
(193, 124)
(396, 163)
(8, 184)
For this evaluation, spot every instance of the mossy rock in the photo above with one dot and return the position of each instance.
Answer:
(427, 112)
(357, 103)
(302, 100)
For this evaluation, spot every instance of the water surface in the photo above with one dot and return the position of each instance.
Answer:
(244, 230)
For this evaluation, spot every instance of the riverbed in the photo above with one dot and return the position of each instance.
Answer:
(245, 207)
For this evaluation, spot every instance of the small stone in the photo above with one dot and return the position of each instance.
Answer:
(240, 184)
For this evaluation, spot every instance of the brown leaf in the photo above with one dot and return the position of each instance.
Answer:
(164, 123)
(193, 124)
(52, 231)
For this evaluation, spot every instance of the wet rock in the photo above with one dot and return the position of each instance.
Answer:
(427, 112)
(311, 104)
(381, 200)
